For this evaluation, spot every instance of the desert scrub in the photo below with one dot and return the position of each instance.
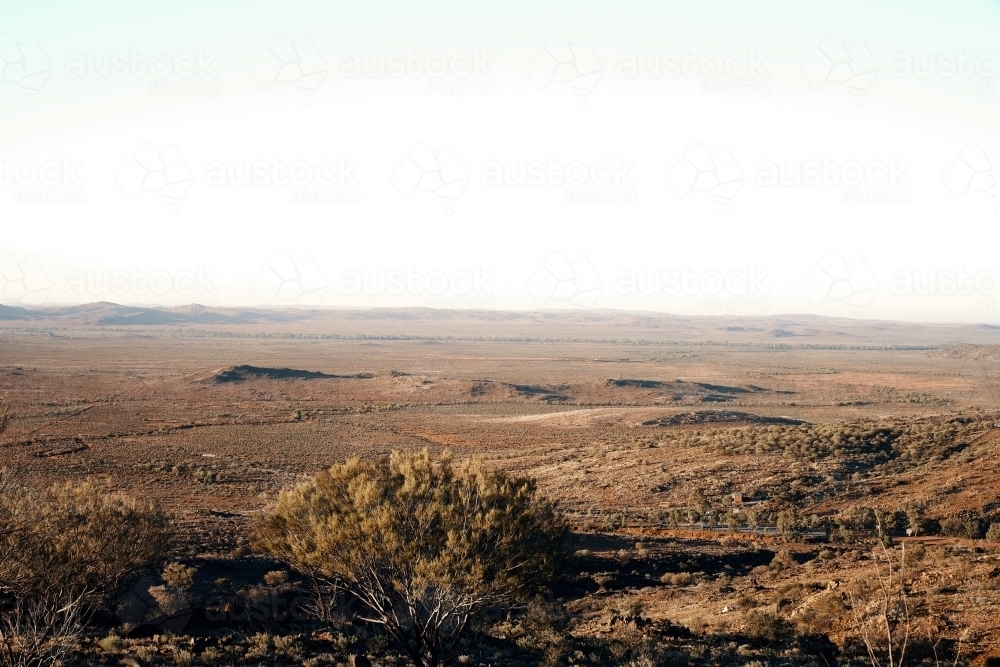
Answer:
(783, 560)
(211, 656)
(967, 527)
(258, 645)
(445, 543)
(276, 578)
(112, 644)
(764, 626)
(178, 576)
(894, 446)
(183, 658)
(289, 646)
(913, 554)
(206, 475)
(82, 540)
(678, 579)
(146, 653)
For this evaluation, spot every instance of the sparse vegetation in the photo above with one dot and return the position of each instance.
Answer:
(794, 483)
(886, 448)
(425, 547)
(76, 540)
(65, 553)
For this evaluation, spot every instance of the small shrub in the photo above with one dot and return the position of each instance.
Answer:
(914, 553)
(210, 656)
(111, 644)
(289, 646)
(993, 534)
(678, 579)
(938, 554)
(842, 535)
(632, 608)
(406, 531)
(544, 630)
(75, 540)
(764, 626)
(146, 653)
(179, 576)
(258, 645)
(276, 578)
(206, 476)
(783, 561)
(377, 645)
(170, 600)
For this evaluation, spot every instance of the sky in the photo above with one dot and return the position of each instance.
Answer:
(715, 158)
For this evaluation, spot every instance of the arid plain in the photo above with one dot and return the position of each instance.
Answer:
(621, 417)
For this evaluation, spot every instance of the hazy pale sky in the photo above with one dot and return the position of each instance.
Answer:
(713, 157)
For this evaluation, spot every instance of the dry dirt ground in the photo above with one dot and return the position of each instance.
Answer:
(212, 413)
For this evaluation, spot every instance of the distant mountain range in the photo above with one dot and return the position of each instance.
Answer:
(104, 313)
(549, 324)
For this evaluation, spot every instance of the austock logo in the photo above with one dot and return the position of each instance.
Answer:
(23, 279)
(456, 74)
(287, 62)
(562, 63)
(734, 74)
(51, 182)
(871, 182)
(24, 64)
(837, 62)
(841, 280)
(688, 282)
(597, 182)
(181, 74)
(974, 171)
(565, 281)
(267, 606)
(159, 606)
(271, 606)
(943, 282)
(979, 67)
(428, 171)
(703, 171)
(412, 281)
(172, 610)
(152, 171)
(733, 291)
(289, 280)
(325, 182)
(160, 286)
